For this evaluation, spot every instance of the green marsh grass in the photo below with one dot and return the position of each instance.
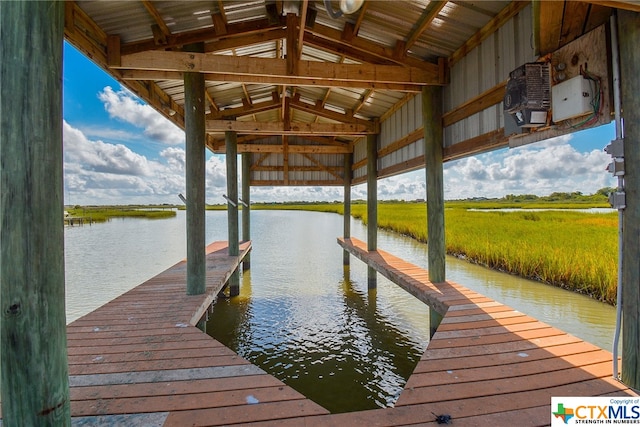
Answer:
(105, 213)
(573, 250)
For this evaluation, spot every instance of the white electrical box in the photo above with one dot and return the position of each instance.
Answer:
(572, 98)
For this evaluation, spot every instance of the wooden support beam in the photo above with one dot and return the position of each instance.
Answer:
(433, 141)
(319, 73)
(296, 183)
(304, 6)
(232, 211)
(245, 40)
(33, 342)
(547, 17)
(322, 167)
(359, 48)
(156, 17)
(214, 107)
(346, 233)
(329, 114)
(333, 170)
(425, 21)
(113, 51)
(247, 110)
(293, 149)
(147, 75)
(629, 40)
(239, 29)
(219, 24)
(246, 206)
(194, 90)
(292, 54)
(280, 128)
(372, 204)
(285, 159)
(474, 105)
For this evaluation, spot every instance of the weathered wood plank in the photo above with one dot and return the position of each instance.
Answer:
(240, 414)
(483, 353)
(163, 375)
(33, 353)
(207, 385)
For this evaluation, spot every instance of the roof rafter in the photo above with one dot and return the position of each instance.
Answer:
(292, 149)
(161, 32)
(247, 110)
(358, 46)
(425, 20)
(238, 29)
(299, 129)
(328, 114)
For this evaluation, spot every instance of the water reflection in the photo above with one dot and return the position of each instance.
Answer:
(320, 332)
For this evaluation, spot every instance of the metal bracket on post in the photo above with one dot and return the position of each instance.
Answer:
(243, 203)
(231, 202)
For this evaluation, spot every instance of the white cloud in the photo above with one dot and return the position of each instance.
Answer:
(97, 172)
(123, 105)
(543, 168)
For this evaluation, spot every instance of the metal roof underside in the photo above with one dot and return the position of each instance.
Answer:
(309, 115)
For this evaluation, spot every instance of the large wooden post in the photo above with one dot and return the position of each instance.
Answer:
(372, 204)
(231, 143)
(246, 208)
(433, 140)
(629, 40)
(347, 204)
(195, 169)
(33, 342)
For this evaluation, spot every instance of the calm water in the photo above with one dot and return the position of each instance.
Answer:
(301, 316)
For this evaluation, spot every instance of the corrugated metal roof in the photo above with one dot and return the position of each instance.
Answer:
(374, 34)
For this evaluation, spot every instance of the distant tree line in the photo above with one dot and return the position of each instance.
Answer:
(576, 196)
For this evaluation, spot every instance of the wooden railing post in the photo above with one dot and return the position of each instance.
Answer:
(195, 180)
(629, 39)
(347, 205)
(231, 143)
(372, 204)
(433, 140)
(246, 207)
(33, 340)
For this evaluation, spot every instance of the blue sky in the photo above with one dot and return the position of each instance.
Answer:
(118, 150)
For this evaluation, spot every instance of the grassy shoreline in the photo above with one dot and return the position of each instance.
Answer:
(105, 213)
(572, 250)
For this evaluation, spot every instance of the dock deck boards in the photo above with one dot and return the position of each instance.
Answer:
(140, 361)
(488, 363)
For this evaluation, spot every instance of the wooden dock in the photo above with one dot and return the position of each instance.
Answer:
(140, 361)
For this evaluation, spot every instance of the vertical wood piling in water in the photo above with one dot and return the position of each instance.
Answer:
(195, 180)
(348, 158)
(246, 208)
(372, 203)
(433, 140)
(231, 143)
(35, 382)
(629, 40)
